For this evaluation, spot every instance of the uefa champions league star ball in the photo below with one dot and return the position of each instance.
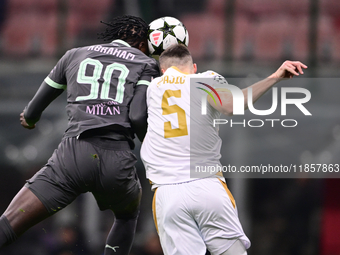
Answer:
(164, 32)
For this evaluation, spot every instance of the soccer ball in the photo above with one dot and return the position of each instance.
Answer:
(164, 32)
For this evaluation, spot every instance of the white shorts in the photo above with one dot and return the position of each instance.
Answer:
(193, 216)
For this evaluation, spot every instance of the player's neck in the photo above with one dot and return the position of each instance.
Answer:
(184, 69)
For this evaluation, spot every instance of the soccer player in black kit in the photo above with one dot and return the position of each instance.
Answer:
(106, 87)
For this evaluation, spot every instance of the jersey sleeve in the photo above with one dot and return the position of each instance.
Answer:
(53, 85)
(218, 82)
(150, 72)
(57, 77)
(138, 107)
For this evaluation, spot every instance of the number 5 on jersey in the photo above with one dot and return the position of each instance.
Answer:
(182, 129)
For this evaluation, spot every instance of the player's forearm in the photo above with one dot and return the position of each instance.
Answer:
(259, 89)
(138, 112)
(287, 70)
(140, 127)
(44, 96)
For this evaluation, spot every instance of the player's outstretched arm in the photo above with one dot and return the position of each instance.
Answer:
(44, 96)
(287, 70)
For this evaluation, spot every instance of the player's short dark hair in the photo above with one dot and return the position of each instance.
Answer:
(176, 55)
(131, 29)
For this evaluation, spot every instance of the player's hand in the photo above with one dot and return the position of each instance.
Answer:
(288, 69)
(24, 123)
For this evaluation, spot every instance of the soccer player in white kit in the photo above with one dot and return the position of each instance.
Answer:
(192, 214)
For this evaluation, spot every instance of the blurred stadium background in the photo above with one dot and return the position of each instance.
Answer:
(243, 39)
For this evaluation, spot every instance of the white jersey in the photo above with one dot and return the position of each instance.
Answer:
(190, 216)
(177, 140)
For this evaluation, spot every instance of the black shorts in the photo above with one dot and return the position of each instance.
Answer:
(101, 166)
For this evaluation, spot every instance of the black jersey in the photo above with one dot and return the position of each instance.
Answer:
(100, 82)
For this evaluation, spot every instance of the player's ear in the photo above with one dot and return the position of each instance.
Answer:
(163, 70)
(195, 68)
(143, 46)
